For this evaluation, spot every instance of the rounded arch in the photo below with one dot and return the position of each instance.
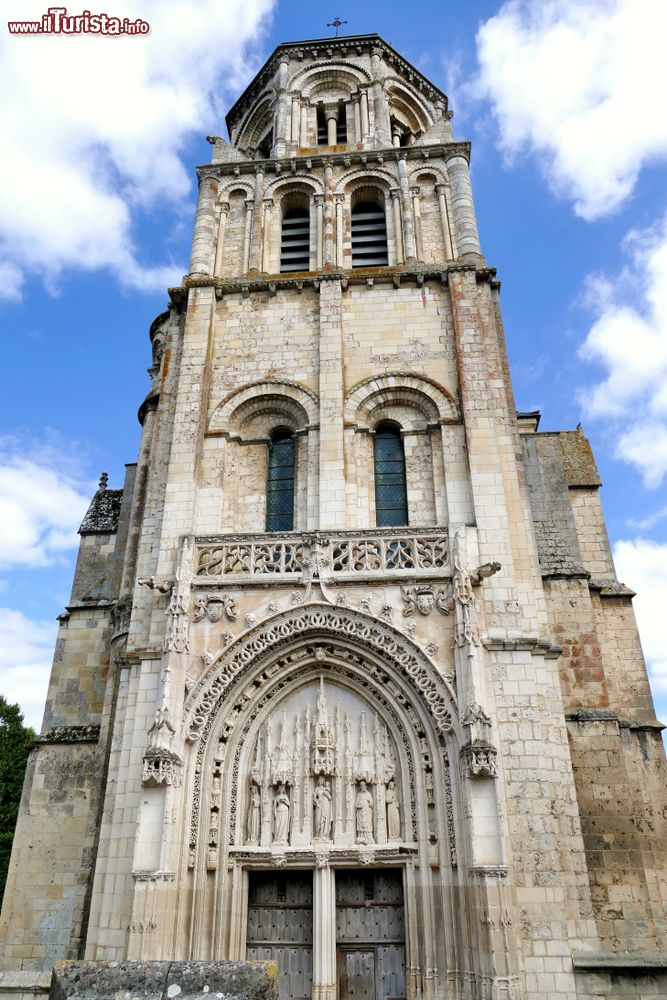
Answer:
(235, 188)
(371, 177)
(368, 401)
(257, 122)
(283, 187)
(291, 404)
(405, 104)
(344, 76)
(427, 176)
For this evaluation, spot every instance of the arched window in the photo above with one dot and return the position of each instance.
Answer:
(391, 500)
(369, 235)
(295, 240)
(280, 483)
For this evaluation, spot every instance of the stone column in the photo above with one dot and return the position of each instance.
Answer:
(465, 223)
(365, 122)
(324, 934)
(331, 115)
(282, 129)
(203, 238)
(395, 136)
(332, 464)
(398, 229)
(247, 233)
(380, 106)
(319, 208)
(406, 207)
(358, 136)
(222, 223)
(340, 198)
(419, 242)
(303, 136)
(296, 119)
(266, 234)
(440, 190)
(329, 237)
(255, 259)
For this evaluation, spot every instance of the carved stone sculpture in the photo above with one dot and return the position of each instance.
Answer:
(322, 802)
(364, 811)
(281, 808)
(424, 600)
(254, 823)
(393, 812)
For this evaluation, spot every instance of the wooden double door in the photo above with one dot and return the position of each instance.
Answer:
(370, 932)
(280, 927)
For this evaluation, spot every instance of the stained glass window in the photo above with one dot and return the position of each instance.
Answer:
(391, 502)
(280, 484)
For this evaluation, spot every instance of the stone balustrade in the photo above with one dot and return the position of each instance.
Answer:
(341, 555)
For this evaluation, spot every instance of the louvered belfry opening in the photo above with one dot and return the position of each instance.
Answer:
(322, 137)
(295, 240)
(369, 235)
(341, 125)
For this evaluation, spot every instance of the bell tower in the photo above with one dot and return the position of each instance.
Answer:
(342, 682)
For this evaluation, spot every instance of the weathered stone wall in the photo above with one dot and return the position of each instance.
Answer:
(53, 853)
(617, 753)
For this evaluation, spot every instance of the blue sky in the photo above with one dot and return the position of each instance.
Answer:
(100, 140)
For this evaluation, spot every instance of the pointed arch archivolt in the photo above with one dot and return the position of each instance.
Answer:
(401, 660)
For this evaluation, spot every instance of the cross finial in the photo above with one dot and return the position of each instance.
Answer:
(336, 23)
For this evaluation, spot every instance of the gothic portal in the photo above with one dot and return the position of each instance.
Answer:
(347, 679)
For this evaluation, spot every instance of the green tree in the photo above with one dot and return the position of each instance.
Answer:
(15, 740)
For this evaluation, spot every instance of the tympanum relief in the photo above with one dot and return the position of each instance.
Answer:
(323, 769)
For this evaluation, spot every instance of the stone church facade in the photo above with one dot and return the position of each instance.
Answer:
(347, 678)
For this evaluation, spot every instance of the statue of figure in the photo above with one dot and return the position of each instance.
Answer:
(322, 800)
(281, 816)
(393, 813)
(364, 808)
(253, 822)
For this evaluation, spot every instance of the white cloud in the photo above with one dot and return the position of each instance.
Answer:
(642, 565)
(576, 84)
(649, 521)
(42, 503)
(26, 651)
(93, 128)
(629, 341)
